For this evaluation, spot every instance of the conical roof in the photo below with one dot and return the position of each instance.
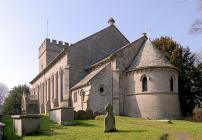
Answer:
(149, 56)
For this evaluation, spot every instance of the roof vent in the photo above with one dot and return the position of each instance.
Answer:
(111, 21)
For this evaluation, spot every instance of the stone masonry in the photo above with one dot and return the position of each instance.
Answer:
(103, 68)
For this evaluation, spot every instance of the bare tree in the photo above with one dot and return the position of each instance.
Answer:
(196, 26)
(3, 92)
(198, 56)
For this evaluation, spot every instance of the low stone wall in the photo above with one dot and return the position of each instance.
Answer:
(82, 115)
(62, 115)
(1, 131)
(26, 124)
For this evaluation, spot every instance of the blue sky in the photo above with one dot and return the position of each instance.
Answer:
(23, 27)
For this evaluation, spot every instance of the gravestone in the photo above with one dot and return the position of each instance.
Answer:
(89, 114)
(82, 115)
(96, 113)
(1, 130)
(197, 112)
(109, 122)
(76, 116)
(29, 121)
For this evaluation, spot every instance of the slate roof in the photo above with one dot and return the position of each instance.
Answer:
(149, 56)
(94, 38)
(113, 54)
(88, 77)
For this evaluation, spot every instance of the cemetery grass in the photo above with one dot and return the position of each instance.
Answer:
(127, 129)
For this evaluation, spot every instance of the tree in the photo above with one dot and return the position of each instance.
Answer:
(190, 72)
(12, 103)
(3, 92)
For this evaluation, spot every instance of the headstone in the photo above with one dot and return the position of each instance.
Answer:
(76, 116)
(197, 113)
(89, 114)
(109, 122)
(1, 130)
(82, 114)
(96, 113)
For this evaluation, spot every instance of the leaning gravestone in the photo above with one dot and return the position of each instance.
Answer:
(25, 123)
(109, 122)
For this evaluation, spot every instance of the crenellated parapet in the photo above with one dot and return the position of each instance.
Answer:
(48, 50)
(51, 43)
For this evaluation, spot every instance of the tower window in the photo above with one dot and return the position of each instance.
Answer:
(171, 83)
(144, 83)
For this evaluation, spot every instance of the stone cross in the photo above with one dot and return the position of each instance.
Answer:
(109, 122)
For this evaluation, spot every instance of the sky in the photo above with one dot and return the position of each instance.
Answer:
(23, 27)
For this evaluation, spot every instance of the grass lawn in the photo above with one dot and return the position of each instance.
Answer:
(128, 129)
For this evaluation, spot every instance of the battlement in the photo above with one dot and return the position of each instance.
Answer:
(48, 50)
(52, 42)
(56, 42)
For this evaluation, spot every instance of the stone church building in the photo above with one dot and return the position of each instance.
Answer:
(104, 68)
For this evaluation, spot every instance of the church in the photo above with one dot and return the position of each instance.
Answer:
(105, 67)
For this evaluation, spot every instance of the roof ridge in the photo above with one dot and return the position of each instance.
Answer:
(96, 33)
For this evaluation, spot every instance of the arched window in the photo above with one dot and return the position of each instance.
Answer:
(144, 83)
(75, 96)
(82, 99)
(171, 83)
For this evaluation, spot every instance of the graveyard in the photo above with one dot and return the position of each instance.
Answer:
(127, 128)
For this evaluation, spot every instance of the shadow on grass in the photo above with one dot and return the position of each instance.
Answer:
(83, 124)
(128, 131)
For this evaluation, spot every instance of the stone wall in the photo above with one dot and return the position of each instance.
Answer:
(158, 80)
(50, 87)
(158, 102)
(79, 102)
(97, 99)
(94, 99)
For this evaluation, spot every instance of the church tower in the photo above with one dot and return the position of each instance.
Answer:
(48, 50)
